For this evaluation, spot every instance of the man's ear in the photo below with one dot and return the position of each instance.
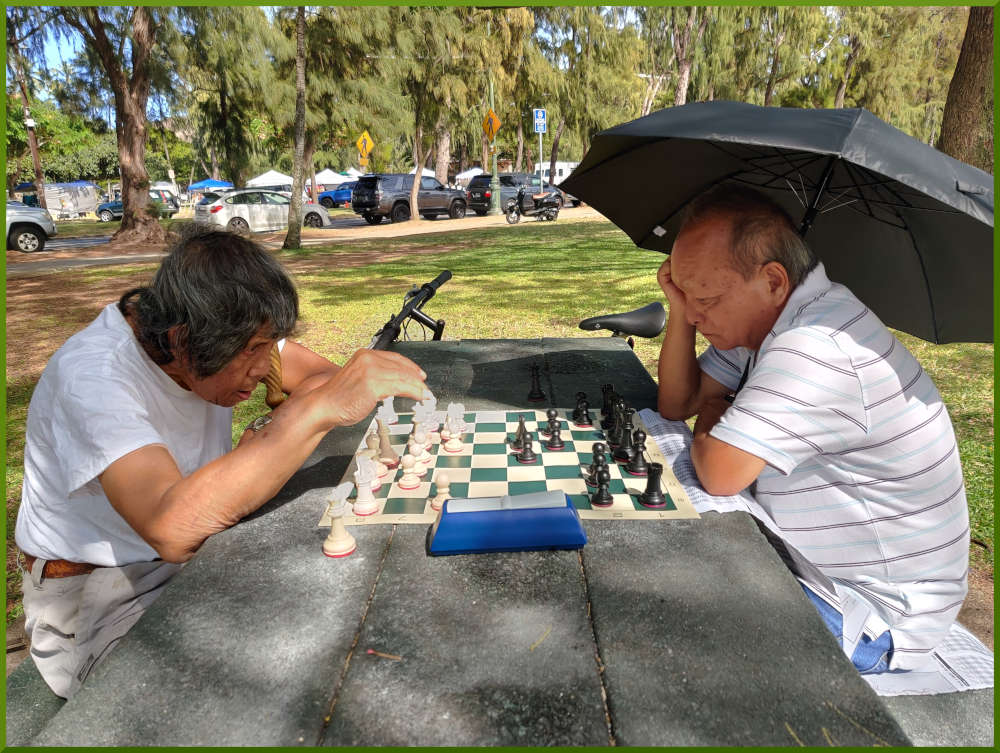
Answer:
(779, 287)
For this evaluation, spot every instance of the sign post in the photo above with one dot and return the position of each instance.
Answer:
(491, 124)
(540, 128)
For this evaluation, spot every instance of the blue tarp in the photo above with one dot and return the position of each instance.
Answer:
(209, 183)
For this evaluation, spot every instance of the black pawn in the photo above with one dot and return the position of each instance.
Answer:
(585, 419)
(653, 496)
(598, 448)
(606, 390)
(638, 466)
(581, 398)
(600, 464)
(527, 454)
(553, 420)
(555, 440)
(536, 395)
(602, 497)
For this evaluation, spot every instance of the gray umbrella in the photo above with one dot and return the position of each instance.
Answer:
(906, 227)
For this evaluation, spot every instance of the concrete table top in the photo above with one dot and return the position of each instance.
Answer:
(656, 633)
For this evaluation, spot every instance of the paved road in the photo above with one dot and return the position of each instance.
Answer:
(56, 244)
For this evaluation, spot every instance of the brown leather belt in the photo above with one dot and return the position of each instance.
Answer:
(60, 568)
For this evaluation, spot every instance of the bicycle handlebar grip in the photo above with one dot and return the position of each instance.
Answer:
(438, 281)
(385, 338)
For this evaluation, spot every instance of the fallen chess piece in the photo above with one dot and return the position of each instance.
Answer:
(339, 543)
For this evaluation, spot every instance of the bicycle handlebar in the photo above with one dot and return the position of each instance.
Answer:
(390, 330)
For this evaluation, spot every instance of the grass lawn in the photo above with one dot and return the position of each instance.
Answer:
(531, 280)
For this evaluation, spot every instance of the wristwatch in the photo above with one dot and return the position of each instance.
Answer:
(259, 423)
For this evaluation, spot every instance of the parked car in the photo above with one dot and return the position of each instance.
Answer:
(479, 192)
(254, 210)
(388, 195)
(28, 227)
(337, 196)
(165, 202)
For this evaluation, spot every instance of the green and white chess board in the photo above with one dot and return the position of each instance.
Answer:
(488, 467)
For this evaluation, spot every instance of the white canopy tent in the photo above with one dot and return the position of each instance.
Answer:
(354, 172)
(328, 178)
(270, 178)
(472, 172)
(426, 172)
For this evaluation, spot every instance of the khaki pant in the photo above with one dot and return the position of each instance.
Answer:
(73, 623)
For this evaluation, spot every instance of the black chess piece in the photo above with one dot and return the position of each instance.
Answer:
(600, 463)
(536, 395)
(585, 419)
(518, 441)
(653, 496)
(623, 453)
(553, 420)
(555, 439)
(527, 455)
(638, 466)
(606, 390)
(602, 497)
(581, 398)
(598, 448)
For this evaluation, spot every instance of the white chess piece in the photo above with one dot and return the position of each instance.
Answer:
(417, 450)
(409, 480)
(374, 443)
(387, 413)
(442, 482)
(339, 543)
(454, 443)
(365, 503)
(422, 445)
(456, 412)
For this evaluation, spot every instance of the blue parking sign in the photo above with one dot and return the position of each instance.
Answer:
(540, 120)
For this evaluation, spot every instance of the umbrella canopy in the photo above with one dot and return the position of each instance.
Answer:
(906, 227)
(201, 185)
(270, 178)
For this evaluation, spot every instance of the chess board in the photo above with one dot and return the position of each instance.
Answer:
(487, 467)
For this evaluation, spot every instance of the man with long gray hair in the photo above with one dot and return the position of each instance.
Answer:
(129, 464)
(806, 398)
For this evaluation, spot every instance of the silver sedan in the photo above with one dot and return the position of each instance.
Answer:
(254, 210)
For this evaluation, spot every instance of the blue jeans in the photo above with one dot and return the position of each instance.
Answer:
(870, 656)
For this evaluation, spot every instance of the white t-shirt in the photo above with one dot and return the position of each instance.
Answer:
(99, 398)
(863, 475)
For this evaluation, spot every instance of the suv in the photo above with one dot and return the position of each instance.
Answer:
(378, 196)
(479, 190)
(163, 201)
(28, 227)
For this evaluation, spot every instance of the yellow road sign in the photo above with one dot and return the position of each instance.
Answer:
(365, 144)
(491, 125)
(363, 161)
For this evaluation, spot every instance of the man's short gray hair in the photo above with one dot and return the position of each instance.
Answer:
(761, 230)
(219, 289)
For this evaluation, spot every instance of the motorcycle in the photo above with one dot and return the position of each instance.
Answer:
(543, 205)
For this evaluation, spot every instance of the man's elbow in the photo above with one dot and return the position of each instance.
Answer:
(719, 486)
(672, 410)
(716, 476)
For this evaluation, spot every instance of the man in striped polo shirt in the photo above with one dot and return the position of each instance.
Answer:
(834, 426)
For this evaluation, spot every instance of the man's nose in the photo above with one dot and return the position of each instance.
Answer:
(691, 314)
(261, 365)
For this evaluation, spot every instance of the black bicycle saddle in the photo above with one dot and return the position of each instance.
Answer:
(647, 321)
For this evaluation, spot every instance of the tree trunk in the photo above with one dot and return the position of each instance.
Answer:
(216, 175)
(131, 93)
(293, 239)
(967, 124)
(520, 146)
(418, 163)
(554, 151)
(32, 139)
(852, 57)
(443, 162)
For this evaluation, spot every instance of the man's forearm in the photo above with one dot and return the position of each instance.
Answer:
(677, 370)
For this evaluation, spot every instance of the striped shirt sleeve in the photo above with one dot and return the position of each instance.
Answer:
(802, 399)
(724, 366)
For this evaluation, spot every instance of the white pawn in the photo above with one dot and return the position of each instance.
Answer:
(416, 449)
(374, 443)
(409, 480)
(454, 443)
(365, 503)
(420, 442)
(441, 481)
(339, 543)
